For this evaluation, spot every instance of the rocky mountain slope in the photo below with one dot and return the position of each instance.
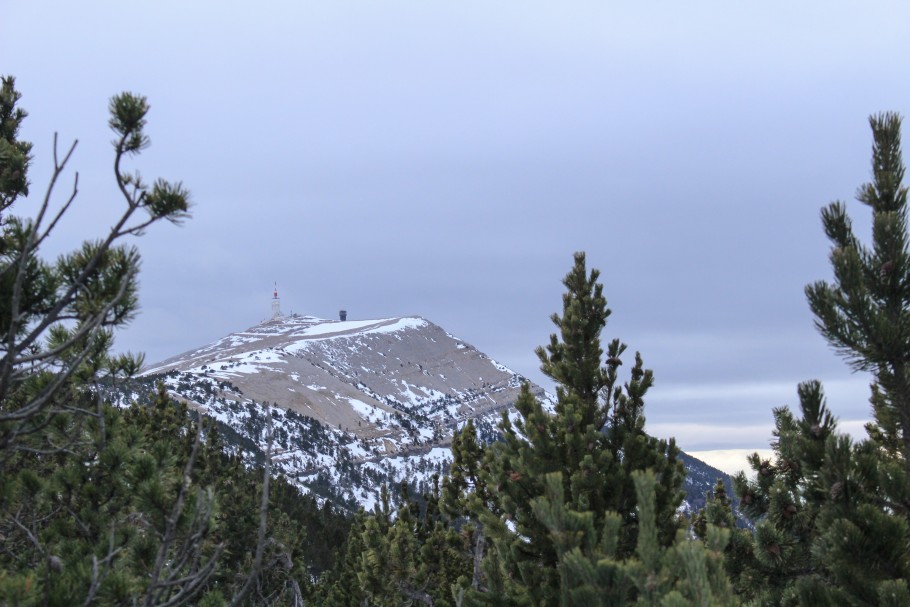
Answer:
(354, 404)
(395, 382)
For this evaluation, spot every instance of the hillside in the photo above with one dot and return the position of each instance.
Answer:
(354, 404)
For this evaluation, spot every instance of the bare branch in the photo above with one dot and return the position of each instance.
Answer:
(28, 533)
(479, 545)
(263, 518)
(58, 170)
(60, 213)
(98, 576)
(166, 575)
(171, 523)
(416, 595)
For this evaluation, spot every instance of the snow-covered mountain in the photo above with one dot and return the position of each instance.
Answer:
(354, 404)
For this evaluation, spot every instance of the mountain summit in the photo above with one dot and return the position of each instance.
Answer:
(367, 377)
(354, 404)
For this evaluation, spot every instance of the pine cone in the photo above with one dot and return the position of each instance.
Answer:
(55, 563)
(837, 490)
(886, 269)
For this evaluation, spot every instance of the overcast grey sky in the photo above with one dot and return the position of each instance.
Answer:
(445, 159)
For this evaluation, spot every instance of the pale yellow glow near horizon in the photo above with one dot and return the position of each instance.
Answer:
(730, 461)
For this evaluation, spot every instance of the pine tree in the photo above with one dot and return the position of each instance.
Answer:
(738, 553)
(594, 441)
(834, 515)
(865, 313)
(865, 316)
(57, 319)
(414, 557)
(341, 586)
(686, 573)
(785, 499)
(15, 155)
(100, 506)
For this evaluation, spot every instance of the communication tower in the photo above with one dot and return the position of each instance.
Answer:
(276, 304)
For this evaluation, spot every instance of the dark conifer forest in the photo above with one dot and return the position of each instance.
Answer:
(154, 503)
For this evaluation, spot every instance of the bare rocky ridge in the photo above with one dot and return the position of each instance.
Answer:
(354, 404)
(356, 375)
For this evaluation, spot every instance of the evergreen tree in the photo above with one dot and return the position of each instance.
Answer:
(784, 500)
(687, 573)
(865, 313)
(865, 316)
(834, 515)
(412, 558)
(738, 553)
(15, 155)
(100, 506)
(594, 441)
(57, 319)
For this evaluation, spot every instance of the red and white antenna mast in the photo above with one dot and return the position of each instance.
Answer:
(276, 304)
